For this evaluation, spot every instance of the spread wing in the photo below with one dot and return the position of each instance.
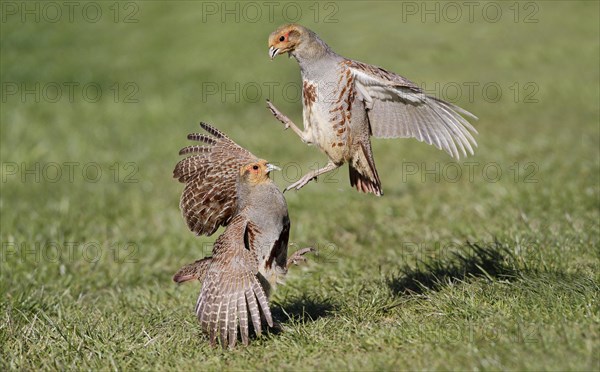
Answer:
(231, 291)
(399, 108)
(210, 176)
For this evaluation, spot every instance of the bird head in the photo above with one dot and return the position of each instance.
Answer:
(257, 172)
(286, 39)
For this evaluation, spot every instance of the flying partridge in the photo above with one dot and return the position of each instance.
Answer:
(226, 185)
(345, 102)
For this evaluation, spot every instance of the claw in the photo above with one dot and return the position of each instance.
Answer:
(287, 122)
(298, 256)
(301, 182)
(278, 115)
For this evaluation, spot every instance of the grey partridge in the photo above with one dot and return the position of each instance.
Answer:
(345, 102)
(226, 185)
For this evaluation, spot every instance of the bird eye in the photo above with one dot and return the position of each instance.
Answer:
(255, 167)
(282, 38)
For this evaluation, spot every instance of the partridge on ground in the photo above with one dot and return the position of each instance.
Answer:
(226, 185)
(345, 102)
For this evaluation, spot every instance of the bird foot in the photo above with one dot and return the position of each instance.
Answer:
(278, 115)
(298, 256)
(301, 182)
(311, 176)
(287, 122)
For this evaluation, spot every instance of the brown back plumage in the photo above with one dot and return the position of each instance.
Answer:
(209, 198)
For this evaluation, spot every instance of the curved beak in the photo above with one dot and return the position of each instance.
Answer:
(273, 52)
(271, 167)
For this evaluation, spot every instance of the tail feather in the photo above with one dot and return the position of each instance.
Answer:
(363, 174)
(227, 298)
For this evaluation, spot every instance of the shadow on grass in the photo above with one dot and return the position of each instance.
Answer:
(492, 261)
(302, 309)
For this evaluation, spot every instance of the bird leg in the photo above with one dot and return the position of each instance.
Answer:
(311, 176)
(286, 121)
(298, 256)
(195, 270)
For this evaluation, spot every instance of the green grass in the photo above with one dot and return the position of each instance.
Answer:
(471, 274)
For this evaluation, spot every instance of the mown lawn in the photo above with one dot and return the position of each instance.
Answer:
(488, 263)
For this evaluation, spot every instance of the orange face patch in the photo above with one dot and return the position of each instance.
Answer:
(254, 169)
(256, 172)
(280, 38)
